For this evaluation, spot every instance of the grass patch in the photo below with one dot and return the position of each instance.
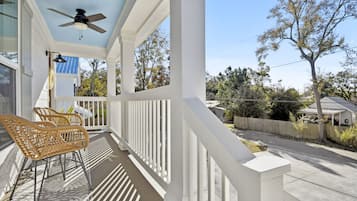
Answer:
(228, 125)
(252, 146)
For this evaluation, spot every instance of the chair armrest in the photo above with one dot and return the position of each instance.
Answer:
(45, 124)
(75, 135)
(58, 120)
(74, 119)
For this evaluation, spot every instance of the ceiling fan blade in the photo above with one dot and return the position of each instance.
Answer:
(61, 13)
(96, 28)
(6, 2)
(96, 17)
(66, 24)
(7, 15)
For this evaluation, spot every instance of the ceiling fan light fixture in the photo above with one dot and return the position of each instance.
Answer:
(59, 59)
(80, 26)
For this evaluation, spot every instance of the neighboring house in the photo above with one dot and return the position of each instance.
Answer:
(67, 77)
(338, 111)
(214, 107)
(67, 81)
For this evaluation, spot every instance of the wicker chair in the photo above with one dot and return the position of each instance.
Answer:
(60, 119)
(43, 140)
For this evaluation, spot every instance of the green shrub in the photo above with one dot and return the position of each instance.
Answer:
(349, 136)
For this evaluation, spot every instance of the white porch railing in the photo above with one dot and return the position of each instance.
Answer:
(221, 167)
(92, 109)
(149, 134)
(148, 125)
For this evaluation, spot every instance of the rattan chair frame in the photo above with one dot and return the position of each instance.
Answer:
(43, 140)
(58, 118)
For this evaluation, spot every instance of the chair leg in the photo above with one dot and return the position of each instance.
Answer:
(43, 178)
(35, 181)
(18, 177)
(74, 158)
(64, 162)
(63, 170)
(84, 169)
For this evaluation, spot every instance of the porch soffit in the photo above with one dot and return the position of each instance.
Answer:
(140, 17)
(111, 9)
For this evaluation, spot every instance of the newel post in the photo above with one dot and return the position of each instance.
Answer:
(187, 81)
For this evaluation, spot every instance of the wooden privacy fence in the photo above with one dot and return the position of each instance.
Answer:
(284, 128)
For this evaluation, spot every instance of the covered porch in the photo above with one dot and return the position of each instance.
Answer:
(114, 177)
(158, 144)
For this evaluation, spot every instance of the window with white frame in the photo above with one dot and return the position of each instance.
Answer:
(9, 30)
(7, 99)
(8, 56)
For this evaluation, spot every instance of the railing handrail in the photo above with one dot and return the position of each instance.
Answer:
(228, 152)
(81, 98)
(163, 92)
(250, 175)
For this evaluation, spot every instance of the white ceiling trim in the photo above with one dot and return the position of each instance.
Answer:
(140, 18)
(86, 51)
(128, 6)
(156, 17)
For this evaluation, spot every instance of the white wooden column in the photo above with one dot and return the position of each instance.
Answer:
(127, 45)
(187, 80)
(111, 86)
(111, 77)
(333, 119)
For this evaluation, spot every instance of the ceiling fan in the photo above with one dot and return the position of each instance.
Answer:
(81, 21)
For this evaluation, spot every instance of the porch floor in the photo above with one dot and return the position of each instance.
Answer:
(114, 177)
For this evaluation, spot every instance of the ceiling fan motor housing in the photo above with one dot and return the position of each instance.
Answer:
(80, 17)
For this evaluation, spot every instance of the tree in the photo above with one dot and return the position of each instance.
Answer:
(284, 103)
(342, 84)
(94, 81)
(97, 81)
(151, 61)
(212, 83)
(236, 92)
(311, 27)
(95, 64)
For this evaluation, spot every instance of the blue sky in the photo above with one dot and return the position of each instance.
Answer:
(232, 28)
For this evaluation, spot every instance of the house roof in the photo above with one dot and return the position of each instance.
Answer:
(335, 103)
(212, 103)
(314, 111)
(69, 67)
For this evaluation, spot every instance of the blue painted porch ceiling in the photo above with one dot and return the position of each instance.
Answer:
(110, 8)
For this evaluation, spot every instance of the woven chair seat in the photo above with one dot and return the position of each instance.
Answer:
(53, 150)
(38, 141)
(43, 140)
